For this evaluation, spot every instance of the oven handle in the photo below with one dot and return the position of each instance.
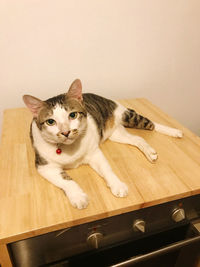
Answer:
(158, 252)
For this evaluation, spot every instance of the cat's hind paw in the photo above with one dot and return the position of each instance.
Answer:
(119, 189)
(151, 154)
(168, 130)
(177, 133)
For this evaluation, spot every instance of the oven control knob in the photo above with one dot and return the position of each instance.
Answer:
(139, 226)
(94, 239)
(178, 215)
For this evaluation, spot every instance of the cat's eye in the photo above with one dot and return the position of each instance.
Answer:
(73, 115)
(50, 122)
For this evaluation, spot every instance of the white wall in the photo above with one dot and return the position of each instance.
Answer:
(119, 49)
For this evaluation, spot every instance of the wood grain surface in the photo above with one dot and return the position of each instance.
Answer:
(30, 205)
(4, 257)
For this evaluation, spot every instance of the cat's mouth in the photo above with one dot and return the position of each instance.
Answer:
(69, 137)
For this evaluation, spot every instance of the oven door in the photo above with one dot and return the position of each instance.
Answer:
(176, 247)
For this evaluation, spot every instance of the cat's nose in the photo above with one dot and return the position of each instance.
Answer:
(66, 134)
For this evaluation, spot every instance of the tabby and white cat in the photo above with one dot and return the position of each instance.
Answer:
(67, 129)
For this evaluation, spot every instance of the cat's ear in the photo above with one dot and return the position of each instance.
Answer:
(75, 90)
(33, 103)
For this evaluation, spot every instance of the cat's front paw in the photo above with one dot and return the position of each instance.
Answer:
(119, 189)
(79, 200)
(76, 196)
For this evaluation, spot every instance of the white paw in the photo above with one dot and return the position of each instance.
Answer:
(177, 133)
(79, 200)
(119, 189)
(168, 130)
(150, 153)
(76, 196)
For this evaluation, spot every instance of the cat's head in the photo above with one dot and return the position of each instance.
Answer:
(61, 119)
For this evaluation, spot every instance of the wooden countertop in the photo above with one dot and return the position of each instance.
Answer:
(29, 205)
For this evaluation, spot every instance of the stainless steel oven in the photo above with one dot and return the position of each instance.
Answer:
(162, 235)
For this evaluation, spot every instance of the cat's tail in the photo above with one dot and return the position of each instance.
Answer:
(133, 120)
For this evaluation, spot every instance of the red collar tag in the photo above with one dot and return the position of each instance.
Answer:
(58, 151)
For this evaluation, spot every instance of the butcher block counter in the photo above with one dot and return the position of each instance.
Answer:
(30, 205)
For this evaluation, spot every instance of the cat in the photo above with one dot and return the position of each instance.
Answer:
(67, 129)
